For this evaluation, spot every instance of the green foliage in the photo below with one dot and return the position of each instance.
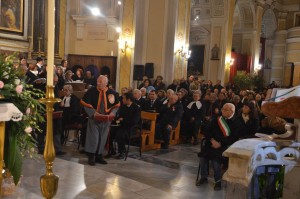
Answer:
(19, 143)
(247, 81)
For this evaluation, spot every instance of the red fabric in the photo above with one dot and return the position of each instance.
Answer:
(241, 63)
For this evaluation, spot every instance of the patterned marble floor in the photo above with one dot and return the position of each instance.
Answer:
(158, 174)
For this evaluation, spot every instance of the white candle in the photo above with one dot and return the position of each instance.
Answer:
(111, 53)
(50, 43)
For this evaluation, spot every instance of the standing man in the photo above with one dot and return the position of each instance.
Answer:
(101, 105)
(220, 134)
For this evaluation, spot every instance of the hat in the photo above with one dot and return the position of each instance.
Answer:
(39, 59)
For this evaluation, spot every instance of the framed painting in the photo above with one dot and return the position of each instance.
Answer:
(12, 15)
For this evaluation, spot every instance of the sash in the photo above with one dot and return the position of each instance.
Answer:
(223, 126)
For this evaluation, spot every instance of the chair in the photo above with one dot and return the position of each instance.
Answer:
(135, 133)
(77, 127)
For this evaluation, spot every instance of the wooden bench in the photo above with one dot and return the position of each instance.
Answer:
(148, 134)
(175, 135)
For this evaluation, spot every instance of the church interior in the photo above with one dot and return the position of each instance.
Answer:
(223, 42)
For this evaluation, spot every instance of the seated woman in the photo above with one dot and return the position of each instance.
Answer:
(68, 76)
(247, 121)
(78, 75)
(195, 113)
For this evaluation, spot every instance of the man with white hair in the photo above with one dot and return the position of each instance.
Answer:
(101, 104)
(141, 102)
(220, 134)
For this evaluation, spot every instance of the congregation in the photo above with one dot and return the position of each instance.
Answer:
(219, 115)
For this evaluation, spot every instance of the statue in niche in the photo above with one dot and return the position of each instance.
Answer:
(268, 64)
(215, 53)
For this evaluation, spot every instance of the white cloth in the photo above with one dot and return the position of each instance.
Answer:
(198, 104)
(8, 111)
(66, 101)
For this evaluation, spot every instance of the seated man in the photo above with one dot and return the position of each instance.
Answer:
(153, 104)
(129, 116)
(170, 115)
(137, 95)
(70, 106)
(220, 134)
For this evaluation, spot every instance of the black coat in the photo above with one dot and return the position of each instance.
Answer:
(157, 104)
(170, 115)
(141, 103)
(131, 115)
(72, 114)
(247, 129)
(214, 131)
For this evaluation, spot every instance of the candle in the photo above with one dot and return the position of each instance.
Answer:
(50, 43)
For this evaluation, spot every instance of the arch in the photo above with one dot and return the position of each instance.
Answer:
(269, 24)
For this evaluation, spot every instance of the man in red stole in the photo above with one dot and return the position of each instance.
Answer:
(101, 104)
(219, 135)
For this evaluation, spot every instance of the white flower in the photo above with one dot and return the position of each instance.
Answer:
(5, 75)
(17, 81)
(28, 130)
(19, 89)
(28, 111)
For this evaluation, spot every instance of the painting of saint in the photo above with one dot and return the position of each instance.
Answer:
(11, 15)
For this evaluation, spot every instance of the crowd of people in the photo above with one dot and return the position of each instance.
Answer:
(222, 114)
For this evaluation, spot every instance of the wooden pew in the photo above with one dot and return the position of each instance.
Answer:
(148, 134)
(174, 135)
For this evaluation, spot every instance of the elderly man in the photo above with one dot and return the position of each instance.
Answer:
(220, 134)
(170, 115)
(137, 95)
(101, 105)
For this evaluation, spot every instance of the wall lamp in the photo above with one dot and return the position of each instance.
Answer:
(184, 52)
(123, 50)
(230, 62)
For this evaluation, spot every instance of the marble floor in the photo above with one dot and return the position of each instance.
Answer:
(167, 174)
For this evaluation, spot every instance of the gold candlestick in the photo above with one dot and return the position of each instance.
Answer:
(49, 181)
(2, 136)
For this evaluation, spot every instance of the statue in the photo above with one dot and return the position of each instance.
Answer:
(215, 52)
(268, 63)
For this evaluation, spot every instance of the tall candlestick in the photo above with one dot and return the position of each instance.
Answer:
(50, 43)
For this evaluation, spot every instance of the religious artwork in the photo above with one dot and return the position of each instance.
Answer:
(203, 12)
(196, 60)
(218, 8)
(215, 53)
(11, 15)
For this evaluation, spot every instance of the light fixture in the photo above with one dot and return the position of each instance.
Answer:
(118, 29)
(184, 52)
(119, 2)
(95, 11)
(123, 50)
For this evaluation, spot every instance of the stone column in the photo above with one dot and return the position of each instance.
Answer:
(293, 52)
(126, 44)
(225, 69)
(258, 19)
(182, 39)
(278, 57)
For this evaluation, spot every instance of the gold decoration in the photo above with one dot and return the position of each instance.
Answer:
(2, 136)
(49, 181)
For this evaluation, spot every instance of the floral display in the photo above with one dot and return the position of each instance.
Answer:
(19, 141)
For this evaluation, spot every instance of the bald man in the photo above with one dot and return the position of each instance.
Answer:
(101, 104)
(170, 115)
(221, 132)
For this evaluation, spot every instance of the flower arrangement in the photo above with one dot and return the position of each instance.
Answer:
(18, 139)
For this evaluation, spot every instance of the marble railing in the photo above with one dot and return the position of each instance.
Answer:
(246, 155)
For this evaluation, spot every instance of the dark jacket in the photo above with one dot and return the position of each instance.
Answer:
(170, 115)
(247, 129)
(153, 106)
(214, 131)
(131, 115)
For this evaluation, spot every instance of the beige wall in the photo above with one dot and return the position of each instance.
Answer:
(155, 40)
(88, 46)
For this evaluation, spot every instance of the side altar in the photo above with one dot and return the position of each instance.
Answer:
(251, 159)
